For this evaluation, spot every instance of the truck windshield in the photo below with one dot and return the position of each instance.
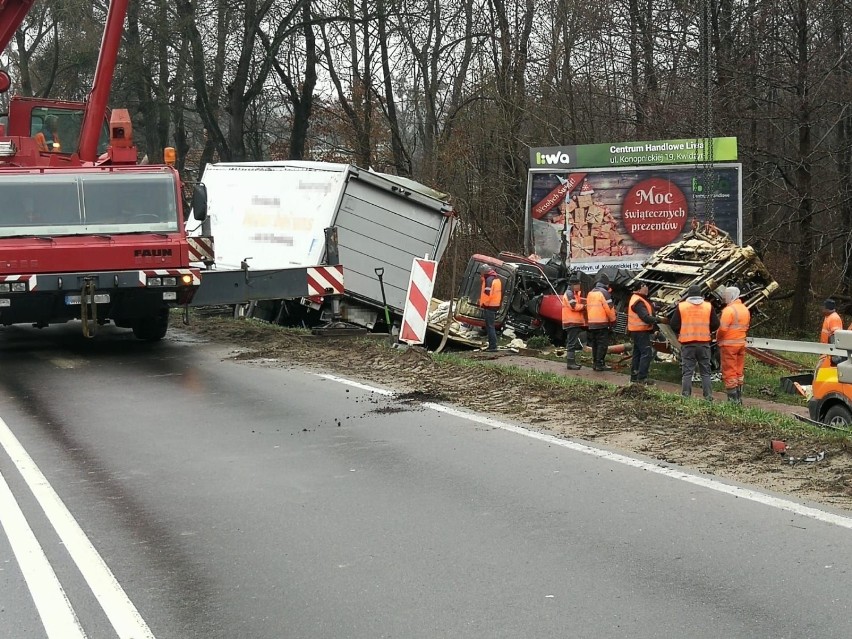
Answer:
(87, 203)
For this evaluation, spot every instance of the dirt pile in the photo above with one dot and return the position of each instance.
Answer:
(721, 441)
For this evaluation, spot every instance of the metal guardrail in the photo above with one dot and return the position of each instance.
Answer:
(792, 346)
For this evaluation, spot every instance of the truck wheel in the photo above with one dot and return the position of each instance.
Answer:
(151, 329)
(838, 415)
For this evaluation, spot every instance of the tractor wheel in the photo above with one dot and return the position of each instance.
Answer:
(839, 416)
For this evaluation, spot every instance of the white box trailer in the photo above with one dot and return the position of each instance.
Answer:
(273, 216)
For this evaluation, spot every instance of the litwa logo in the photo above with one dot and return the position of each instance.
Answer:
(552, 158)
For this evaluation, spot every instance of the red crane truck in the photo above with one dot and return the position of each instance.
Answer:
(85, 231)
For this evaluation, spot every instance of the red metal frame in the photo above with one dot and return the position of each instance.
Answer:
(12, 14)
(102, 83)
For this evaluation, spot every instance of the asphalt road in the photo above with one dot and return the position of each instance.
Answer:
(219, 499)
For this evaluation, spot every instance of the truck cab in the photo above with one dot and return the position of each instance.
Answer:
(27, 117)
(103, 243)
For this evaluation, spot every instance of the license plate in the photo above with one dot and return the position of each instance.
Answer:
(71, 300)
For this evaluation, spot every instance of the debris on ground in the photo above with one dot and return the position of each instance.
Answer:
(634, 418)
(778, 446)
(809, 459)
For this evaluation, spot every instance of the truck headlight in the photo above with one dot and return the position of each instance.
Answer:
(19, 287)
(155, 281)
(169, 281)
(5, 288)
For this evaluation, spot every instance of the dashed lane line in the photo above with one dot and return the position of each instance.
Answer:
(120, 611)
(674, 473)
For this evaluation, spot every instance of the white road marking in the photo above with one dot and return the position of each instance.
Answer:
(57, 616)
(349, 382)
(704, 482)
(120, 611)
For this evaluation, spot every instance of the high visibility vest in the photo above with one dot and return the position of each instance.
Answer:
(733, 325)
(47, 141)
(634, 322)
(598, 311)
(830, 324)
(576, 315)
(694, 323)
(493, 299)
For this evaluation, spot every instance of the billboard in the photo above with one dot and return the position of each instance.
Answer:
(619, 203)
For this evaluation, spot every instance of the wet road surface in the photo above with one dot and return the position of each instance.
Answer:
(250, 500)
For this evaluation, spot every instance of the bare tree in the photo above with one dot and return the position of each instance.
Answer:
(264, 18)
(355, 92)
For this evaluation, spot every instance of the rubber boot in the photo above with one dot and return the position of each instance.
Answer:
(732, 396)
(601, 348)
(572, 362)
(740, 394)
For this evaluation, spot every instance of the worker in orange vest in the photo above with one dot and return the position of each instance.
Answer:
(641, 322)
(694, 319)
(48, 138)
(731, 339)
(831, 322)
(490, 298)
(600, 315)
(574, 321)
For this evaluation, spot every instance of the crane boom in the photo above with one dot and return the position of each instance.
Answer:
(102, 82)
(12, 14)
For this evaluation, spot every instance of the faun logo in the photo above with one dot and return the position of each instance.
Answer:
(152, 253)
(558, 157)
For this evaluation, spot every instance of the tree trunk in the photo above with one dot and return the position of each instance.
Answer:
(142, 85)
(303, 101)
(401, 161)
(805, 223)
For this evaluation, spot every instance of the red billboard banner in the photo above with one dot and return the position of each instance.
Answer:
(557, 195)
(621, 216)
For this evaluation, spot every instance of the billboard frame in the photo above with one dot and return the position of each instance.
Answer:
(602, 159)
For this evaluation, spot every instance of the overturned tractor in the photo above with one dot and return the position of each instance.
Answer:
(533, 293)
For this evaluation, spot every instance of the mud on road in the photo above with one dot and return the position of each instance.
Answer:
(729, 444)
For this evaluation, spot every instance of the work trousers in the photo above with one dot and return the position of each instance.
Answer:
(572, 338)
(643, 353)
(490, 321)
(599, 343)
(693, 355)
(733, 364)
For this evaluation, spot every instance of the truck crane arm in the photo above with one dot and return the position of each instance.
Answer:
(102, 82)
(12, 14)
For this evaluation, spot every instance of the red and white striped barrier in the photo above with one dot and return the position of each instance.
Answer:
(173, 272)
(200, 249)
(325, 280)
(417, 299)
(31, 280)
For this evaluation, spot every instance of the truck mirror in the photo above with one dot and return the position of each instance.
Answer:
(199, 202)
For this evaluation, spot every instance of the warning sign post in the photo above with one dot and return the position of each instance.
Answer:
(420, 287)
